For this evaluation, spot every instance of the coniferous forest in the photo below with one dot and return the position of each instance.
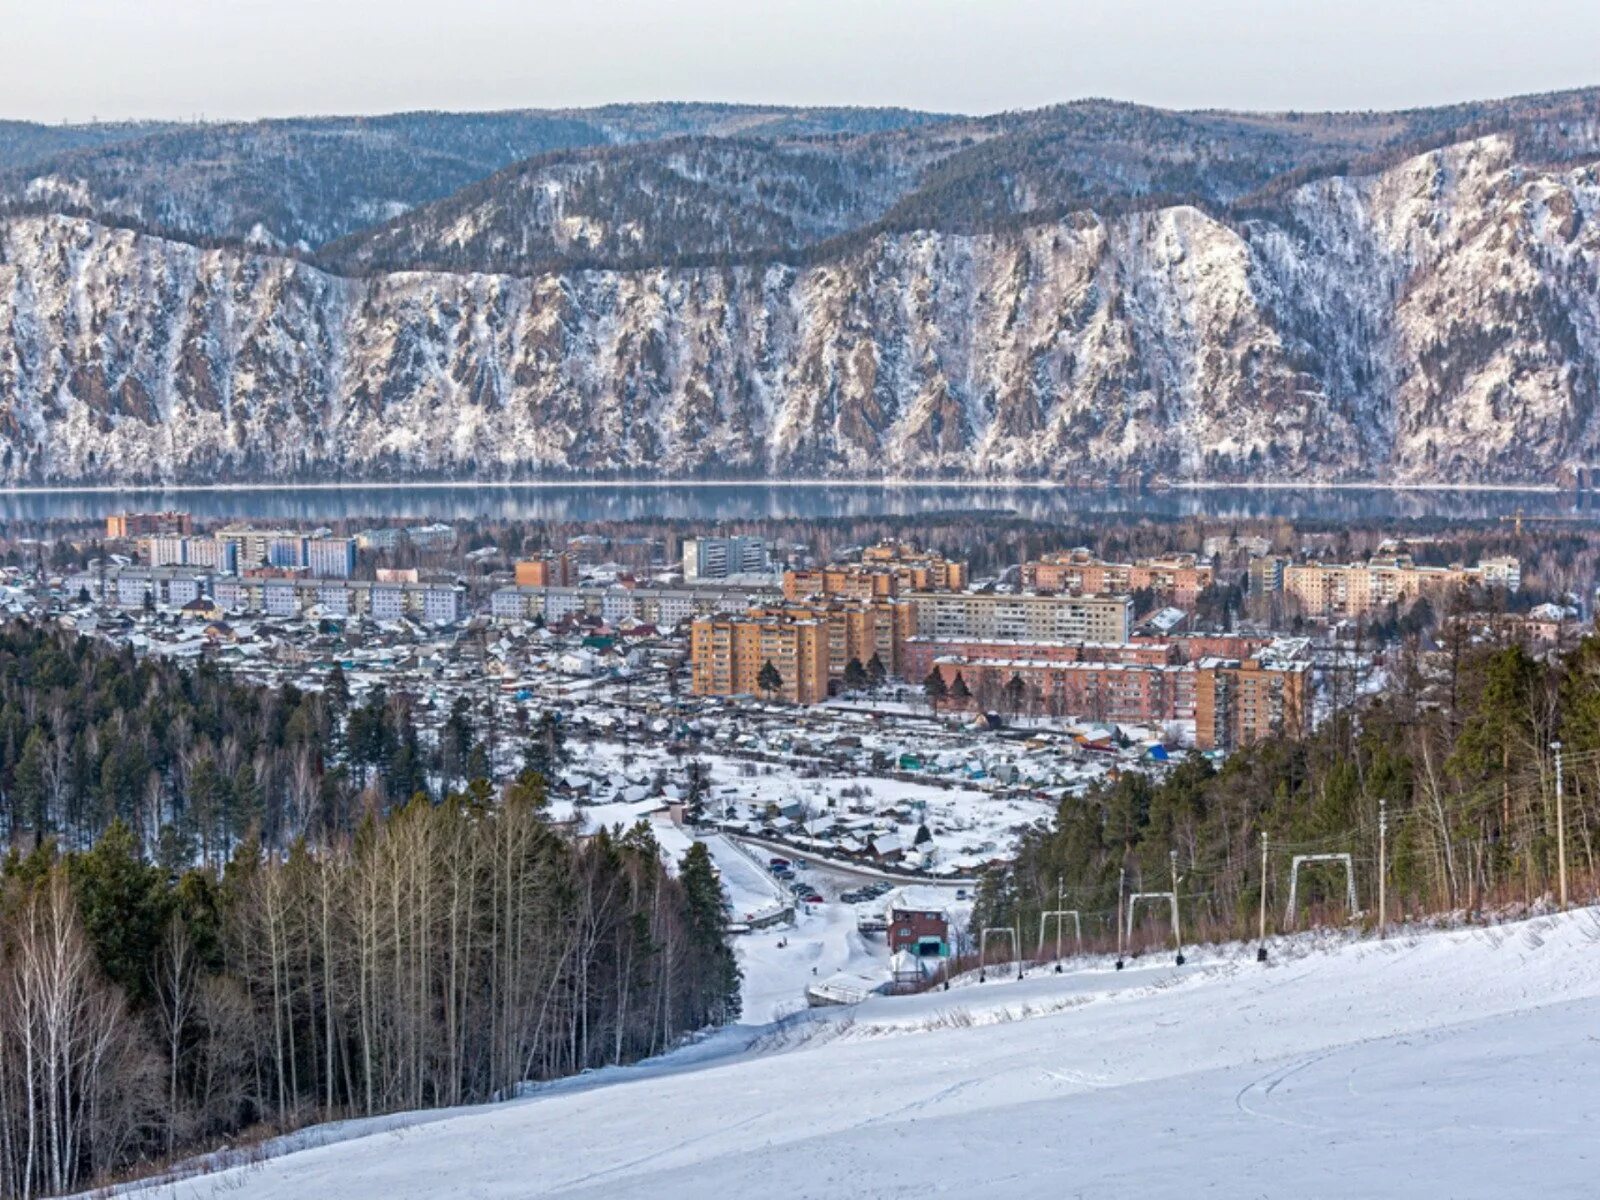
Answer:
(207, 928)
(1458, 764)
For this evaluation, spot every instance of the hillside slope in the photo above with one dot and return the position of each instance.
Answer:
(301, 182)
(1436, 320)
(1454, 1064)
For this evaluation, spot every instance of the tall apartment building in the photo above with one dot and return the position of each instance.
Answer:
(548, 570)
(857, 630)
(1266, 574)
(137, 525)
(1333, 591)
(719, 557)
(211, 554)
(1026, 618)
(886, 570)
(331, 558)
(266, 547)
(727, 655)
(1239, 703)
(1175, 578)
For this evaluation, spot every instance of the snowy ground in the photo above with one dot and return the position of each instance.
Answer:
(969, 825)
(1438, 1065)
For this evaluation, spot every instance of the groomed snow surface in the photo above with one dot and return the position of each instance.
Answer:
(1450, 1064)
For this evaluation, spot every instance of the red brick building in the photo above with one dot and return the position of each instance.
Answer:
(919, 923)
(1131, 692)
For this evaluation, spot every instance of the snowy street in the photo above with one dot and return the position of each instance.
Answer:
(1456, 1064)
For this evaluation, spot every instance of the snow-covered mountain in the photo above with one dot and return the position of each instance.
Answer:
(300, 182)
(1438, 319)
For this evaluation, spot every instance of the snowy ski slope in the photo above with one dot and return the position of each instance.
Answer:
(1456, 1064)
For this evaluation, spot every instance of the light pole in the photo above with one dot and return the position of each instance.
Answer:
(1383, 868)
(1177, 929)
(1561, 827)
(1122, 880)
(1261, 949)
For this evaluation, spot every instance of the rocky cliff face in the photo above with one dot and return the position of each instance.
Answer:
(1436, 321)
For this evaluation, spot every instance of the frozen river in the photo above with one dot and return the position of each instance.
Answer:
(709, 502)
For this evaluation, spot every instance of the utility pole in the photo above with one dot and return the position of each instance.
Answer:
(1261, 949)
(1561, 827)
(1060, 904)
(1122, 880)
(1383, 867)
(1177, 929)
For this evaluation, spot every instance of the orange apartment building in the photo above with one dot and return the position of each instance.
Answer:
(548, 570)
(1177, 578)
(1239, 703)
(886, 570)
(1332, 591)
(858, 630)
(727, 653)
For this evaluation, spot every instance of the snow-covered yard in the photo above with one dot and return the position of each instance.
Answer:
(1457, 1064)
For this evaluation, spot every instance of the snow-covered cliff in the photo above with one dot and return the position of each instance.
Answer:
(1440, 320)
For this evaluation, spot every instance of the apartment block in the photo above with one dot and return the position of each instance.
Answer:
(856, 630)
(548, 570)
(172, 587)
(1239, 703)
(665, 608)
(719, 557)
(331, 558)
(1024, 618)
(1139, 693)
(919, 654)
(175, 550)
(1176, 579)
(138, 525)
(1334, 591)
(728, 653)
(886, 570)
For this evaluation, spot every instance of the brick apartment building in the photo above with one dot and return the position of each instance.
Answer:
(886, 570)
(727, 653)
(1137, 693)
(858, 630)
(138, 524)
(1239, 703)
(548, 570)
(1176, 579)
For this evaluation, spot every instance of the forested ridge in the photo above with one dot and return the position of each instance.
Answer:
(1456, 757)
(374, 953)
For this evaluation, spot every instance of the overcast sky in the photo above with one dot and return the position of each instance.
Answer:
(81, 59)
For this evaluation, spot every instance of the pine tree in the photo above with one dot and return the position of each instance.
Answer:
(718, 970)
(124, 908)
(876, 671)
(30, 792)
(768, 679)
